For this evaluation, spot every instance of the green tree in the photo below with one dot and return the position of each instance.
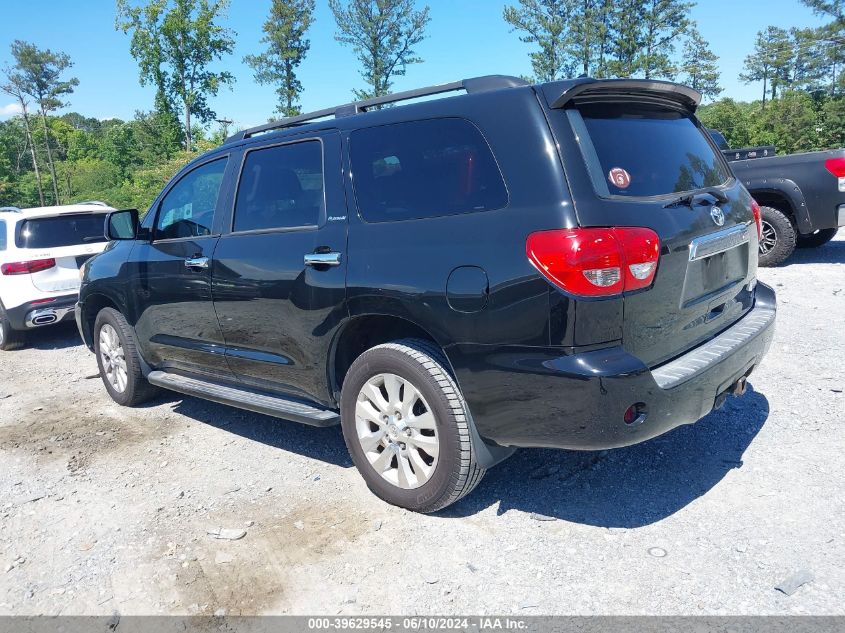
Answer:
(175, 42)
(546, 23)
(730, 118)
(809, 58)
(146, 23)
(40, 73)
(789, 123)
(833, 123)
(830, 8)
(770, 62)
(663, 22)
(284, 35)
(14, 85)
(833, 35)
(626, 40)
(699, 66)
(382, 33)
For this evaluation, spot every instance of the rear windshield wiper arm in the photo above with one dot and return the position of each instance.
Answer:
(688, 199)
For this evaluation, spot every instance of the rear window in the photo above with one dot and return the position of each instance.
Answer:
(638, 151)
(66, 230)
(423, 169)
(2, 235)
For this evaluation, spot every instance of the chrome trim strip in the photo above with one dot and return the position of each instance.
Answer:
(718, 242)
(702, 358)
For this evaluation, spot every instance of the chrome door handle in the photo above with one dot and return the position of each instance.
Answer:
(322, 259)
(196, 262)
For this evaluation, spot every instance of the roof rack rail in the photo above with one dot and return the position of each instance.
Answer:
(472, 85)
(96, 203)
(10, 209)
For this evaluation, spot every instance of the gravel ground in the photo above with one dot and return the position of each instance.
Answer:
(105, 509)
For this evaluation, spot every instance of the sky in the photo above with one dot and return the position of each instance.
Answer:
(466, 38)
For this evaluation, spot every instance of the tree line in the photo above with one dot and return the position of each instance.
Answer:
(802, 75)
(178, 45)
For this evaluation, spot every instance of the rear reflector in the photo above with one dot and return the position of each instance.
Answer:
(758, 218)
(596, 262)
(27, 268)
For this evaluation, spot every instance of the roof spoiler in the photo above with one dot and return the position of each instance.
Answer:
(560, 93)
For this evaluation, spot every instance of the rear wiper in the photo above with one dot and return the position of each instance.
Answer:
(688, 199)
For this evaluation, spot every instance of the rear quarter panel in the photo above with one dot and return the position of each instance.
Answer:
(401, 268)
(802, 179)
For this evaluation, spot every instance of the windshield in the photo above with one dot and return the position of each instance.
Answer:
(65, 230)
(641, 150)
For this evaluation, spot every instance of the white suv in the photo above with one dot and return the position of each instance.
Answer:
(41, 251)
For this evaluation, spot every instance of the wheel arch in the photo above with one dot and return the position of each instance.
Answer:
(361, 332)
(92, 306)
(784, 196)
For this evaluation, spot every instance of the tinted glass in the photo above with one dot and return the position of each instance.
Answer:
(280, 187)
(2, 235)
(648, 151)
(66, 230)
(188, 208)
(424, 169)
(720, 140)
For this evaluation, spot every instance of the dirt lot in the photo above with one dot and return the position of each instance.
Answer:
(105, 509)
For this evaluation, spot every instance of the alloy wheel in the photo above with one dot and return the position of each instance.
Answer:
(768, 239)
(113, 358)
(397, 431)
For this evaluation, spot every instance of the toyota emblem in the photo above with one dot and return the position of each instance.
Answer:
(718, 216)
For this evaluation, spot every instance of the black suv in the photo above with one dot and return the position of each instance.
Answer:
(561, 265)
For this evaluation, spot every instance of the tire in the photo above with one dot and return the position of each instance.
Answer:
(819, 238)
(779, 237)
(117, 352)
(416, 372)
(10, 339)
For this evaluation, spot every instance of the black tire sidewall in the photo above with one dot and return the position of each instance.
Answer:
(10, 339)
(387, 360)
(133, 370)
(785, 234)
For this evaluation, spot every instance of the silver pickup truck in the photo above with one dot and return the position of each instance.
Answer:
(801, 196)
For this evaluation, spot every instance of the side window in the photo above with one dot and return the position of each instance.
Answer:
(280, 187)
(188, 208)
(2, 235)
(423, 169)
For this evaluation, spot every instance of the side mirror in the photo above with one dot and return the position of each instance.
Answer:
(122, 225)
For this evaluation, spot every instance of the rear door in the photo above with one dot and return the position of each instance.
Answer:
(69, 239)
(643, 159)
(279, 273)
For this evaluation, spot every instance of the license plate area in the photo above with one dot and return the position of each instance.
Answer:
(717, 263)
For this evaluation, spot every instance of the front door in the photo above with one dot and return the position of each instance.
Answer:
(171, 277)
(279, 274)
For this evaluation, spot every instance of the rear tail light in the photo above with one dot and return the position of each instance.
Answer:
(596, 262)
(836, 166)
(758, 218)
(26, 268)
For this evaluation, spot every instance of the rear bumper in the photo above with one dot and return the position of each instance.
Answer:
(536, 397)
(35, 314)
